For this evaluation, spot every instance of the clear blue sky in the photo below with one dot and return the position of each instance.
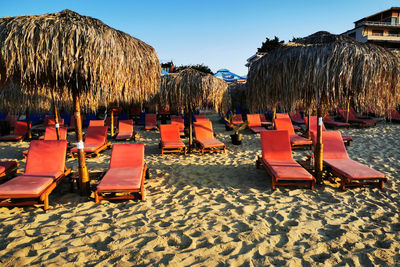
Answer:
(218, 33)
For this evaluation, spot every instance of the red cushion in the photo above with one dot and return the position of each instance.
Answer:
(313, 123)
(24, 186)
(333, 146)
(127, 155)
(284, 124)
(47, 156)
(203, 130)
(287, 170)
(275, 145)
(5, 165)
(253, 120)
(121, 179)
(172, 144)
(11, 137)
(180, 123)
(96, 123)
(96, 135)
(208, 143)
(298, 140)
(150, 120)
(123, 136)
(125, 127)
(169, 132)
(237, 119)
(51, 133)
(21, 128)
(282, 115)
(353, 169)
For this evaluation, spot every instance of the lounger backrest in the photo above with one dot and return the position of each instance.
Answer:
(275, 145)
(96, 135)
(284, 124)
(253, 120)
(203, 130)
(150, 119)
(343, 113)
(72, 122)
(281, 115)
(52, 122)
(169, 132)
(237, 118)
(295, 115)
(393, 113)
(179, 123)
(12, 120)
(96, 123)
(20, 128)
(328, 117)
(108, 121)
(51, 133)
(313, 123)
(333, 146)
(127, 155)
(262, 117)
(125, 126)
(176, 118)
(46, 156)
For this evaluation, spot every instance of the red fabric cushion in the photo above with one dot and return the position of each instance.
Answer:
(333, 145)
(51, 133)
(253, 120)
(237, 119)
(313, 123)
(298, 140)
(96, 123)
(172, 144)
(275, 145)
(150, 119)
(46, 156)
(127, 155)
(121, 179)
(169, 132)
(21, 128)
(5, 165)
(25, 186)
(123, 136)
(11, 137)
(353, 169)
(203, 130)
(284, 124)
(96, 135)
(180, 123)
(125, 127)
(288, 170)
(208, 143)
(282, 115)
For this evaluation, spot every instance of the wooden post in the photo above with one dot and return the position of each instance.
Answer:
(57, 125)
(347, 111)
(28, 124)
(190, 129)
(82, 168)
(308, 124)
(273, 115)
(319, 147)
(112, 122)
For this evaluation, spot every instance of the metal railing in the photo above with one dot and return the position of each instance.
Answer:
(378, 23)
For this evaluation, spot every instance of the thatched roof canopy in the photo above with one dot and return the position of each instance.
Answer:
(190, 89)
(69, 53)
(327, 70)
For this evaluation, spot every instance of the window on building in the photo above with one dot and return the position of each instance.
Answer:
(353, 34)
(394, 20)
(377, 32)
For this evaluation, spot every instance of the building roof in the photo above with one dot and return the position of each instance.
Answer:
(390, 9)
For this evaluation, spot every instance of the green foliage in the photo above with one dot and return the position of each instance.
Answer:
(199, 67)
(270, 44)
(235, 127)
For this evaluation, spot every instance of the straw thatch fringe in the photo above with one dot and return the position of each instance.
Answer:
(326, 70)
(70, 53)
(191, 89)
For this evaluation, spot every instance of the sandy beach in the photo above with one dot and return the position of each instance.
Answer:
(215, 210)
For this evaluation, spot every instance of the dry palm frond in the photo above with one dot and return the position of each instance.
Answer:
(66, 53)
(325, 70)
(190, 89)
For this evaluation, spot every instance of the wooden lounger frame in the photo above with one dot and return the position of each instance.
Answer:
(91, 153)
(99, 195)
(42, 199)
(9, 172)
(275, 182)
(165, 150)
(348, 182)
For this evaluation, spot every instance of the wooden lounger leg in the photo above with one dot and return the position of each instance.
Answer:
(273, 186)
(96, 197)
(381, 184)
(342, 185)
(312, 185)
(46, 201)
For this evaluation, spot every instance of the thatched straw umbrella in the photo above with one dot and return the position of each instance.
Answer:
(79, 58)
(191, 89)
(325, 70)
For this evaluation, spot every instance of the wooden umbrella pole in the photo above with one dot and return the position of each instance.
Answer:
(190, 129)
(319, 147)
(28, 124)
(112, 122)
(57, 125)
(273, 115)
(82, 168)
(347, 111)
(308, 124)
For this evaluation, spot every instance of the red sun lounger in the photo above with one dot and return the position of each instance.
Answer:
(180, 122)
(296, 117)
(95, 141)
(200, 117)
(125, 175)
(170, 139)
(264, 121)
(254, 123)
(277, 160)
(237, 119)
(20, 131)
(393, 114)
(96, 123)
(204, 136)
(331, 123)
(286, 115)
(313, 128)
(353, 119)
(338, 163)
(125, 130)
(150, 122)
(44, 170)
(50, 134)
(296, 141)
(8, 168)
